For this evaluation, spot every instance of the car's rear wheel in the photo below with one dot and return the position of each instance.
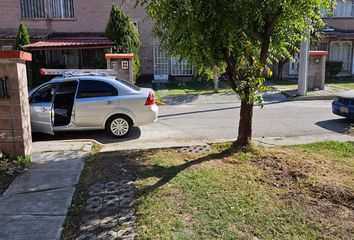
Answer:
(119, 126)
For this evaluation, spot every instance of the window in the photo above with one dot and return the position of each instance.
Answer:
(62, 9)
(341, 51)
(343, 9)
(90, 89)
(125, 64)
(320, 47)
(181, 67)
(6, 47)
(129, 85)
(32, 9)
(43, 95)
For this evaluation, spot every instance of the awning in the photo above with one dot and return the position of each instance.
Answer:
(70, 43)
(12, 35)
(338, 33)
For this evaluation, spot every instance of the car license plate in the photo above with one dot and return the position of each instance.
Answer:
(344, 109)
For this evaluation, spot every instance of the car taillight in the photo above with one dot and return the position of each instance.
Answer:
(150, 100)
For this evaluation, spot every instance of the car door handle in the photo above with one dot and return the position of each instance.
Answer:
(108, 102)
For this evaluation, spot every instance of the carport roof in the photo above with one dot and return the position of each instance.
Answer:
(61, 43)
(12, 35)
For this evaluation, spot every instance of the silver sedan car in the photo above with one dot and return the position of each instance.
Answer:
(91, 102)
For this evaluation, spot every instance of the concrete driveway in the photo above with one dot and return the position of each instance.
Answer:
(181, 125)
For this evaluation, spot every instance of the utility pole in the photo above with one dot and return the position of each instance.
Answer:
(303, 66)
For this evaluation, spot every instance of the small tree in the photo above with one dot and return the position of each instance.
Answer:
(124, 34)
(22, 38)
(244, 35)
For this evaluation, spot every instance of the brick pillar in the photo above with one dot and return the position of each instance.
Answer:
(15, 125)
(317, 70)
(123, 64)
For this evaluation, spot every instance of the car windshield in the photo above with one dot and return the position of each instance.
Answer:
(129, 85)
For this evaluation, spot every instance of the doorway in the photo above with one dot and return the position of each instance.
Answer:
(161, 64)
(64, 103)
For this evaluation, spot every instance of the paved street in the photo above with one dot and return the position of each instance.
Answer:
(194, 124)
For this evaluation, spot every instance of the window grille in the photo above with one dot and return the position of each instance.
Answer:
(181, 67)
(32, 9)
(343, 9)
(62, 9)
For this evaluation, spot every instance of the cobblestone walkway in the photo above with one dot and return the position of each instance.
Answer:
(111, 212)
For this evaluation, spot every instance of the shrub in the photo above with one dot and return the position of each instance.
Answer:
(333, 68)
(24, 162)
(125, 36)
(22, 38)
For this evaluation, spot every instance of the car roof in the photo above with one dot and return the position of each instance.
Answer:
(348, 94)
(83, 77)
(108, 79)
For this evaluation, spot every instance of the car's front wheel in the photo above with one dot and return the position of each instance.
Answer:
(119, 126)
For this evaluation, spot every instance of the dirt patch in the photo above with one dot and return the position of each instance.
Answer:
(9, 170)
(5, 181)
(304, 185)
(337, 196)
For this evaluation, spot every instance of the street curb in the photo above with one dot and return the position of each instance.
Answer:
(307, 98)
(312, 98)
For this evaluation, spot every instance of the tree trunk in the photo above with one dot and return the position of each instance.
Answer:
(245, 125)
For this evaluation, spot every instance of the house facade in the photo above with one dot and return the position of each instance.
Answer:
(338, 40)
(71, 34)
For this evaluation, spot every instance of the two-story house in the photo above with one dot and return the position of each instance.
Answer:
(71, 34)
(338, 39)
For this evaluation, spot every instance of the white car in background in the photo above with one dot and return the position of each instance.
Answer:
(91, 102)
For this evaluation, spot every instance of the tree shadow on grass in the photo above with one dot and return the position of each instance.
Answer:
(166, 174)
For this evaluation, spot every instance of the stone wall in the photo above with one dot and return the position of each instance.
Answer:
(15, 128)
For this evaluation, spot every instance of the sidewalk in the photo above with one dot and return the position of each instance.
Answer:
(268, 141)
(329, 93)
(218, 98)
(36, 203)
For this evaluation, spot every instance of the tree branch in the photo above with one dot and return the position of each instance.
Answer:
(230, 69)
(269, 27)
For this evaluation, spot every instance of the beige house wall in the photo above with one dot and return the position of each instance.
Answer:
(90, 17)
(346, 24)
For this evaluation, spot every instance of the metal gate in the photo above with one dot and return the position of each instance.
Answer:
(161, 64)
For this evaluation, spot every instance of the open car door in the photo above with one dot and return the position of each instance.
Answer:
(41, 108)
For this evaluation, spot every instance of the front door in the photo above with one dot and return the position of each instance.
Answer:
(41, 109)
(161, 64)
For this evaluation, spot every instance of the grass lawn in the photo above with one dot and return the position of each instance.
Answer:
(190, 88)
(296, 192)
(299, 192)
(346, 83)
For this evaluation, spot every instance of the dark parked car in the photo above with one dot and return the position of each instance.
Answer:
(343, 105)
